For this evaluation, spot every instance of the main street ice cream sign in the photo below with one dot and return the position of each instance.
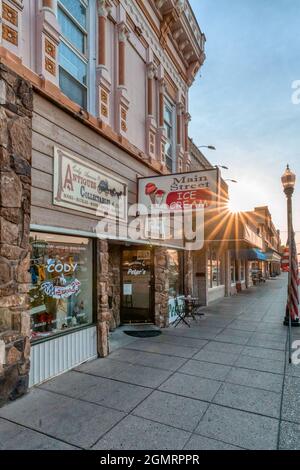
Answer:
(84, 186)
(179, 192)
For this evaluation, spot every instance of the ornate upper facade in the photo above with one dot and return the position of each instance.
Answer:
(123, 67)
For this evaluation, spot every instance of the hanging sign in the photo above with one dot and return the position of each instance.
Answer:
(180, 192)
(83, 186)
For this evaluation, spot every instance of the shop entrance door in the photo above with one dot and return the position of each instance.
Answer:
(136, 285)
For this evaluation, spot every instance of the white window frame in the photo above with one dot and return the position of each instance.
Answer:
(85, 58)
(219, 260)
(171, 106)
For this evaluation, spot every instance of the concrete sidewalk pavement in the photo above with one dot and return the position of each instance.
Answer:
(224, 383)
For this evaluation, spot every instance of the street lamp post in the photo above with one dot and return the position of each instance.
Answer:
(288, 181)
(209, 147)
(230, 180)
(212, 147)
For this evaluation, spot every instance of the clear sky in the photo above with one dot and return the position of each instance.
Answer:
(242, 102)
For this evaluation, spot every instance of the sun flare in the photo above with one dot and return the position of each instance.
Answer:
(233, 207)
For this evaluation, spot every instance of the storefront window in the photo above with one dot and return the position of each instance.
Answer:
(232, 270)
(209, 272)
(214, 269)
(61, 292)
(175, 273)
(243, 270)
(237, 271)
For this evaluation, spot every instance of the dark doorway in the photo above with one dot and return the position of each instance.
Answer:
(136, 285)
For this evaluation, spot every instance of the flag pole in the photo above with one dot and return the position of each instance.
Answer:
(288, 180)
(290, 229)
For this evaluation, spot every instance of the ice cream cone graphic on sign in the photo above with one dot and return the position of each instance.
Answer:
(150, 191)
(159, 197)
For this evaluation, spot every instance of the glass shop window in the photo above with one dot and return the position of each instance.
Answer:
(232, 270)
(73, 49)
(175, 262)
(169, 124)
(243, 270)
(214, 269)
(61, 291)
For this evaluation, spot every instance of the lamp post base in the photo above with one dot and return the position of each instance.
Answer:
(294, 323)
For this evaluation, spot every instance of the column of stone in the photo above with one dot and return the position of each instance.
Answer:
(187, 156)
(227, 273)
(49, 4)
(188, 272)
(102, 19)
(161, 289)
(161, 134)
(103, 75)
(121, 56)
(200, 289)
(16, 99)
(114, 287)
(151, 123)
(150, 78)
(162, 91)
(122, 98)
(104, 315)
(179, 123)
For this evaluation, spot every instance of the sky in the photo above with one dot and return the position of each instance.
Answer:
(241, 101)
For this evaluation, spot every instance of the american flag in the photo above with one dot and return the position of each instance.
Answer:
(293, 300)
(285, 260)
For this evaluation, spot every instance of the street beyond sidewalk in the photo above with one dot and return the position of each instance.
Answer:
(221, 384)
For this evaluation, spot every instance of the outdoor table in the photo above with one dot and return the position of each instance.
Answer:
(189, 308)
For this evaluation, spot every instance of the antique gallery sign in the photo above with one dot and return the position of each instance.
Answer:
(84, 186)
(179, 192)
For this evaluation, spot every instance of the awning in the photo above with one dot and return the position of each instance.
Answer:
(253, 254)
(273, 257)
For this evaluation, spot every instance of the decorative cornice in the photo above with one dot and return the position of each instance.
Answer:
(162, 86)
(133, 10)
(151, 70)
(123, 32)
(104, 8)
(179, 108)
(187, 117)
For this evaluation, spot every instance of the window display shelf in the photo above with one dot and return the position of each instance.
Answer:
(39, 309)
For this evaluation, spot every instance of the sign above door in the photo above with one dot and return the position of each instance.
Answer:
(82, 185)
(180, 192)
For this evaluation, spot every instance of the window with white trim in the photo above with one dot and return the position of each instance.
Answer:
(73, 49)
(169, 124)
(214, 269)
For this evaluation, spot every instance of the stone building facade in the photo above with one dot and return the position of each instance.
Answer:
(16, 100)
(62, 288)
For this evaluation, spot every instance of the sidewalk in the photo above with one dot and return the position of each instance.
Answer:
(221, 384)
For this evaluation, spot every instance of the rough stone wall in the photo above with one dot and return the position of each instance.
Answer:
(114, 286)
(188, 272)
(104, 314)
(16, 101)
(161, 289)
